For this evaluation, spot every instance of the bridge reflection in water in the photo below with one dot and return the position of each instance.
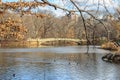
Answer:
(56, 63)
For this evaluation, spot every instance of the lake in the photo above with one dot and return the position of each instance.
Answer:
(56, 63)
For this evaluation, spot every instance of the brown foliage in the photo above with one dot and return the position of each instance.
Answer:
(11, 29)
(22, 7)
(109, 45)
(16, 5)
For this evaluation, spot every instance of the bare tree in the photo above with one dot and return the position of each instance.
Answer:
(25, 7)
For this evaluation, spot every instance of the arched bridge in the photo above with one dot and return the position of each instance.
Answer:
(56, 39)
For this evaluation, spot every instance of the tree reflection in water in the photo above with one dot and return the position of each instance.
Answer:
(54, 65)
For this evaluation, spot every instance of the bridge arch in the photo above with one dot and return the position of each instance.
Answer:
(44, 40)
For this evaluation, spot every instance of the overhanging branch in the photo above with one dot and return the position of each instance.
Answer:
(78, 10)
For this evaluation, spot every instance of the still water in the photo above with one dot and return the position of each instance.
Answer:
(56, 63)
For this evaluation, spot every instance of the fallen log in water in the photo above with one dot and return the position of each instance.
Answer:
(111, 58)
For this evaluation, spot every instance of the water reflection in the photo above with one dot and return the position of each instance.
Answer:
(56, 66)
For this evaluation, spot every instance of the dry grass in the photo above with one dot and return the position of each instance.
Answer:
(109, 45)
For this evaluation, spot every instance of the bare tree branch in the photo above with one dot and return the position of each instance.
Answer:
(78, 10)
(85, 27)
(64, 9)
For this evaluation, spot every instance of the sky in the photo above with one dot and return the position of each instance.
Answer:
(83, 4)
